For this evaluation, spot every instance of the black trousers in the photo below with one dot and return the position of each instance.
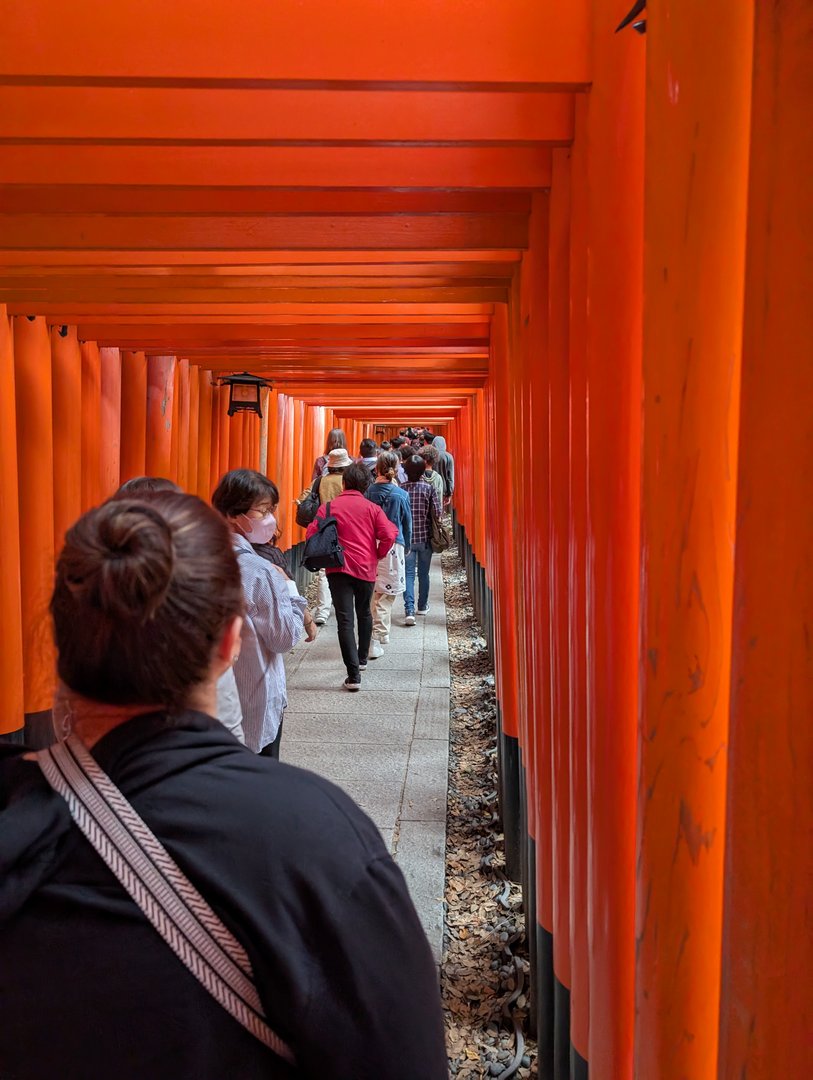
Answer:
(272, 749)
(352, 594)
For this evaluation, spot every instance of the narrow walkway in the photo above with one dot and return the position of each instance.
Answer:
(387, 746)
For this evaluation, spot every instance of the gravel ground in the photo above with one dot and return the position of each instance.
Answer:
(485, 963)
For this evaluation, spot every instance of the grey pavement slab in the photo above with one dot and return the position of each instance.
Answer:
(376, 677)
(374, 801)
(339, 701)
(435, 668)
(386, 746)
(432, 716)
(355, 761)
(425, 788)
(388, 728)
(421, 855)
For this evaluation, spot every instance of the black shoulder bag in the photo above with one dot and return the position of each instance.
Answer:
(307, 508)
(323, 550)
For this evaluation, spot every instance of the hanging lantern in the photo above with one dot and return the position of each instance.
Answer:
(244, 392)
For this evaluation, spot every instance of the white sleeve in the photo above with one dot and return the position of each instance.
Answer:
(229, 712)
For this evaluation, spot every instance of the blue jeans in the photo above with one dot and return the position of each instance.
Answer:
(420, 557)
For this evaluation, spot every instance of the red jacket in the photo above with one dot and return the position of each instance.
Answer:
(365, 533)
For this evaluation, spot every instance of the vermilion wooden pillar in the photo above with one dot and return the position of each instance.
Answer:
(194, 430)
(237, 424)
(531, 392)
(227, 435)
(504, 606)
(206, 451)
(91, 425)
(274, 430)
(35, 460)
(254, 423)
(615, 142)
(558, 488)
(66, 386)
(160, 405)
(184, 407)
(133, 414)
(766, 1011)
(11, 654)
(175, 424)
(286, 477)
(215, 471)
(308, 455)
(319, 430)
(265, 423)
(577, 651)
(110, 360)
(698, 109)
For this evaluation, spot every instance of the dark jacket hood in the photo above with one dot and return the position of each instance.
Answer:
(34, 822)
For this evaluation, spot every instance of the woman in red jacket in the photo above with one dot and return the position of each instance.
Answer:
(366, 535)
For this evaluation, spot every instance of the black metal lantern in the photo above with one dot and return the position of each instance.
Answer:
(244, 392)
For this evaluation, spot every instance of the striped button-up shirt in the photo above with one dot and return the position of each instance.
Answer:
(273, 624)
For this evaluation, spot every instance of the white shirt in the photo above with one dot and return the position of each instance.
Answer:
(229, 712)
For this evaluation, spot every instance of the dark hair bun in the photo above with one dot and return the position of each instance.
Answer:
(124, 568)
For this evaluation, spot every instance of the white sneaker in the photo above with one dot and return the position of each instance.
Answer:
(376, 650)
(409, 620)
(385, 640)
(423, 610)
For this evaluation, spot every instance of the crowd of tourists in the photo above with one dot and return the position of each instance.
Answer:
(290, 944)
(384, 505)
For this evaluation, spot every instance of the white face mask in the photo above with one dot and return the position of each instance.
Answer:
(258, 530)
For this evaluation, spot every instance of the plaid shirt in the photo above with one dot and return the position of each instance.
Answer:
(421, 496)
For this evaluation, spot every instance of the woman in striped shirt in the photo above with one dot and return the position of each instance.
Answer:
(275, 614)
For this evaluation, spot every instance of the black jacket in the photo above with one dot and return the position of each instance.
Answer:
(89, 991)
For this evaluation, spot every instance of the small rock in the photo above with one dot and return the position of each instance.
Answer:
(495, 1069)
(526, 1062)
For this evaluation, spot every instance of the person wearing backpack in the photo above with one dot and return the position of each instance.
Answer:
(390, 580)
(366, 536)
(327, 488)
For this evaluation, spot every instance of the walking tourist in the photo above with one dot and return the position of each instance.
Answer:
(390, 578)
(366, 536)
(423, 501)
(274, 617)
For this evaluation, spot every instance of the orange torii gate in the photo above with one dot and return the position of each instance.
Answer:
(585, 258)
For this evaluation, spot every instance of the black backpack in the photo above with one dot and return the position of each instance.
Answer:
(307, 509)
(323, 550)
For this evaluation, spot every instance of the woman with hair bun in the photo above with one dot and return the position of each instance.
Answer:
(391, 575)
(228, 709)
(173, 906)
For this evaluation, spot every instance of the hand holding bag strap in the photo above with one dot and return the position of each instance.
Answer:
(158, 886)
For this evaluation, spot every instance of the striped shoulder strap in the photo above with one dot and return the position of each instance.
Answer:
(158, 886)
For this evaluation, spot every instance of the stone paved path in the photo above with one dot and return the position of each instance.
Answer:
(386, 746)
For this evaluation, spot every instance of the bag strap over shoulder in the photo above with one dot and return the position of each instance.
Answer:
(158, 886)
